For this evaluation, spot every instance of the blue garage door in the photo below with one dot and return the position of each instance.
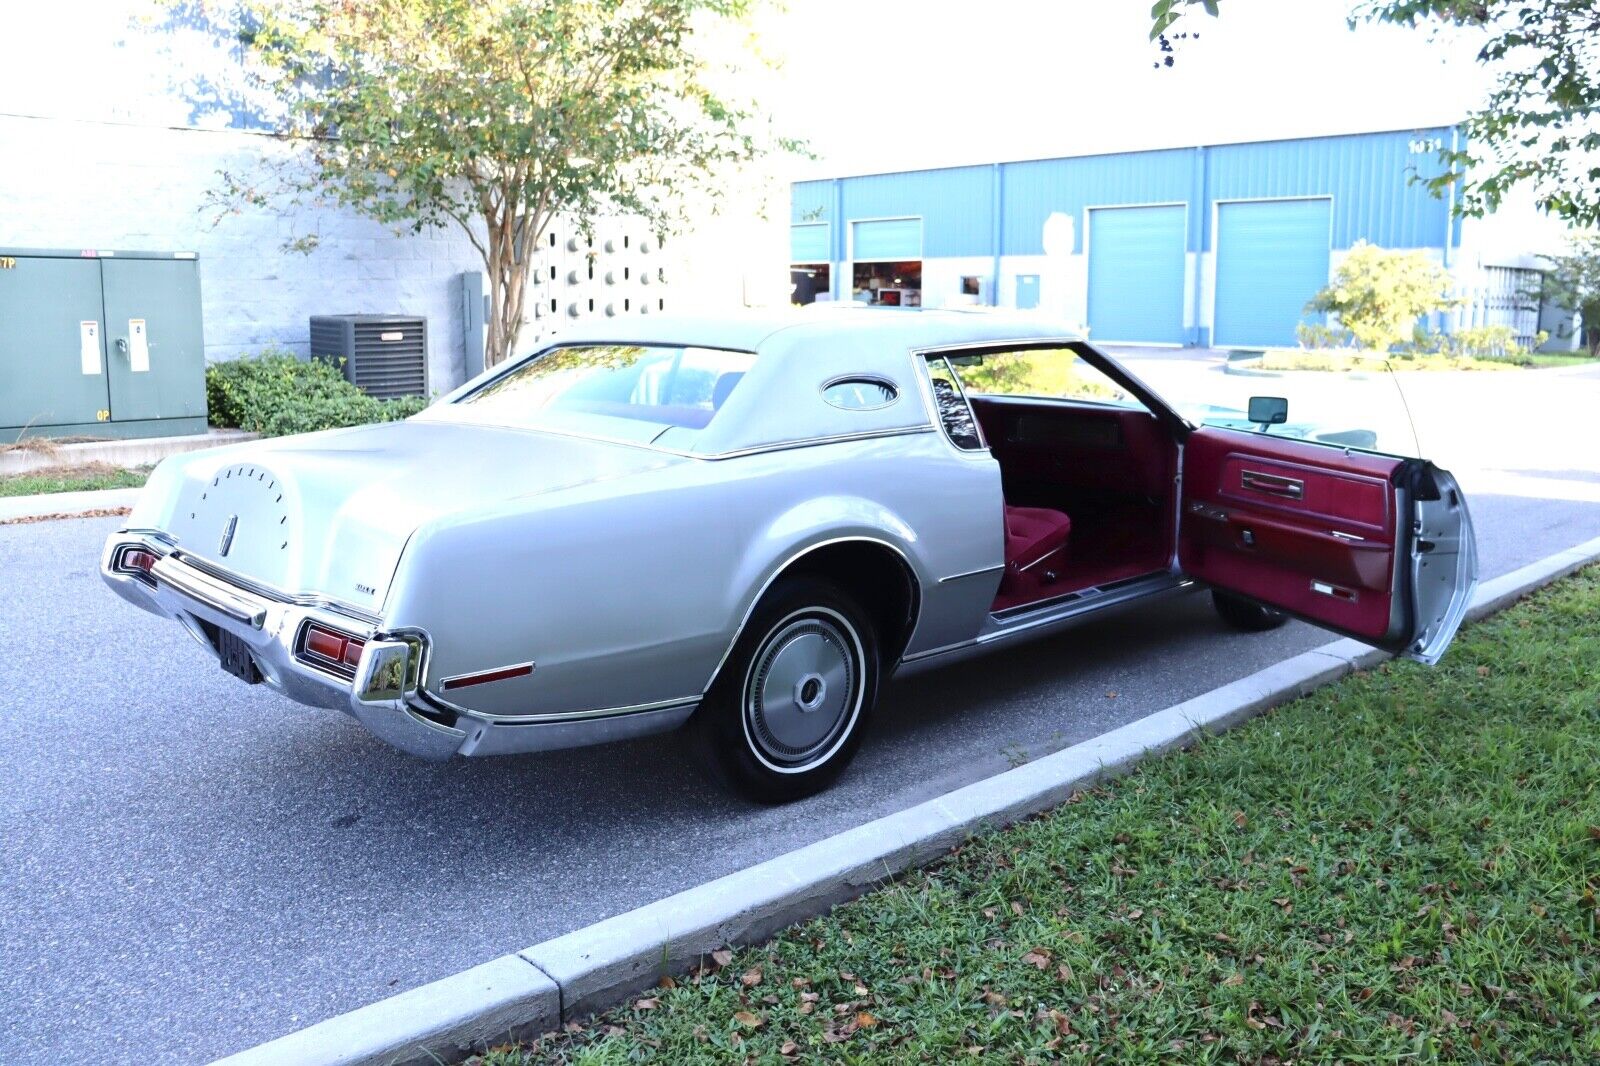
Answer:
(1272, 257)
(1136, 274)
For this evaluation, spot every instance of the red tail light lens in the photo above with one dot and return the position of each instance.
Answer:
(331, 646)
(139, 562)
(326, 643)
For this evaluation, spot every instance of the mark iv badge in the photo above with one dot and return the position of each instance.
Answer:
(227, 534)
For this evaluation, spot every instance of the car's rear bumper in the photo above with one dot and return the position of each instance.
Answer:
(384, 691)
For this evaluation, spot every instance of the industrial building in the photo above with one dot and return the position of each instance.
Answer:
(1212, 245)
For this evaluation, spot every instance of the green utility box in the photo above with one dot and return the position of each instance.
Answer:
(100, 344)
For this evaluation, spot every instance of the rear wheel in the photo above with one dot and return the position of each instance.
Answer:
(785, 715)
(1248, 615)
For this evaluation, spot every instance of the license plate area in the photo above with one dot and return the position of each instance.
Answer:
(234, 655)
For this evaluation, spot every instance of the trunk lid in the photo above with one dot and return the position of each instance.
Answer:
(328, 514)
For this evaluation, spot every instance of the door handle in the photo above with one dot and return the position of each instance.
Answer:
(1289, 487)
(122, 346)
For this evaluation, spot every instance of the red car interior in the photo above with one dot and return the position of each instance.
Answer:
(1302, 526)
(1086, 491)
(1036, 552)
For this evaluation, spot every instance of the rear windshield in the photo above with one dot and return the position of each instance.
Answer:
(669, 386)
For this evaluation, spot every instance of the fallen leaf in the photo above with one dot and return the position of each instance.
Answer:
(1483, 671)
(1239, 819)
(1234, 981)
(647, 1003)
(721, 957)
(866, 1021)
(667, 982)
(789, 1047)
(748, 1020)
(751, 977)
(1038, 958)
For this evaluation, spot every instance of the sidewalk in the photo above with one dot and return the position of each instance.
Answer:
(65, 504)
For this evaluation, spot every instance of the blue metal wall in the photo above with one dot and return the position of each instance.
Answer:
(1367, 175)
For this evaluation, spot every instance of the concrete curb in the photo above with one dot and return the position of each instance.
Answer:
(596, 967)
(132, 451)
(66, 504)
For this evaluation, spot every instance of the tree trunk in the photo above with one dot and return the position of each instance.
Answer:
(1589, 323)
(507, 267)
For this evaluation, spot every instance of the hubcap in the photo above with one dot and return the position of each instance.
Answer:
(803, 691)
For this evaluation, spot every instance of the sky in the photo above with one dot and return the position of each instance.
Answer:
(876, 86)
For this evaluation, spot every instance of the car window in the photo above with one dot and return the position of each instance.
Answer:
(955, 414)
(1039, 373)
(1351, 403)
(860, 394)
(672, 386)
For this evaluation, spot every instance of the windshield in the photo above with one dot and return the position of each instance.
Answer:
(664, 385)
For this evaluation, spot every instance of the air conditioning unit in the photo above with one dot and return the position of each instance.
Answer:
(383, 355)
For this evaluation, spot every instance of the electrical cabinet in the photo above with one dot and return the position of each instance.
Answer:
(99, 343)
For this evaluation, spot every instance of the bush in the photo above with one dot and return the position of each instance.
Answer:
(1318, 338)
(1378, 294)
(1495, 344)
(277, 393)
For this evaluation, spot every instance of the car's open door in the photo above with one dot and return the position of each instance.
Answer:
(1375, 547)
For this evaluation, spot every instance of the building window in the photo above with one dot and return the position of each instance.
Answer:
(810, 282)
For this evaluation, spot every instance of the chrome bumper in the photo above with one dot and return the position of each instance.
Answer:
(387, 692)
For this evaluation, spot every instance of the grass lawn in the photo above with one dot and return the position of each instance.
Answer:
(1341, 361)
(1542, 359)
(1402, 865)
(1298, 359)
(72, 479)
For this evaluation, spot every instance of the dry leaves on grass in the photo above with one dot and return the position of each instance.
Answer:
(98, 512)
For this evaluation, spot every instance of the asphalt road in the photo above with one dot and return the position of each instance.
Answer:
(190, 866)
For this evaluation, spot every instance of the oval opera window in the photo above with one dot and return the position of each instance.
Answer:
(860, 394)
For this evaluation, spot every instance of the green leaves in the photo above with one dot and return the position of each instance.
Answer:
(497, 116)
(1378, 294)
(1164, 13)
(276, 394)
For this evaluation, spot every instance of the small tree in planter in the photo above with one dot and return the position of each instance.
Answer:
(1379, 294)
(1574, 283)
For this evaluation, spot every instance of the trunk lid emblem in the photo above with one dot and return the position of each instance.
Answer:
(227, 534)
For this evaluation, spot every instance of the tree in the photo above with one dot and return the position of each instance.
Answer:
(1573, 282)
(1378, 294)
(493, 115)
(1540, 126)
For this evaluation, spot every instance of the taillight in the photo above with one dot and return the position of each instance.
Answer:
(331, 647)
(139, 562)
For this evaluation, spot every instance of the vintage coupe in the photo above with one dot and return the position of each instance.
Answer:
(748, 524)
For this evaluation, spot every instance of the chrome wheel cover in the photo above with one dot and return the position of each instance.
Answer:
(803, 691)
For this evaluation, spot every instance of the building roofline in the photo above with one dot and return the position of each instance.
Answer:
(1119, 151)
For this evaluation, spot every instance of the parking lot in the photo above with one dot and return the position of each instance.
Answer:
(192, 866)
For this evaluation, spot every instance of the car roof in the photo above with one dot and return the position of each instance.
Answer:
(753, 330)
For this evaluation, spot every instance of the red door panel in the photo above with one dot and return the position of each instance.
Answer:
(1304, 527)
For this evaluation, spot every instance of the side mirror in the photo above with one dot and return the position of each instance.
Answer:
(1268, 410)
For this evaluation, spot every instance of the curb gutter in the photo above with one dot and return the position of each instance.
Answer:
(596, 967)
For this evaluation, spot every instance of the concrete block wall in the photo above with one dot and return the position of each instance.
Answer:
(72, 184)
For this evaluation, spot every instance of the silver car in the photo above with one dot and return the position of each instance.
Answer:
(746, 525)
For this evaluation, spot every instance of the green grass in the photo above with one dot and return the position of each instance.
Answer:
(1544, 359)
(1300, 359)
(1401, 866)
(72, 479)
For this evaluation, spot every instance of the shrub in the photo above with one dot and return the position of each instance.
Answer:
(1318, 338)
(277, 393)
(1378, 294)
